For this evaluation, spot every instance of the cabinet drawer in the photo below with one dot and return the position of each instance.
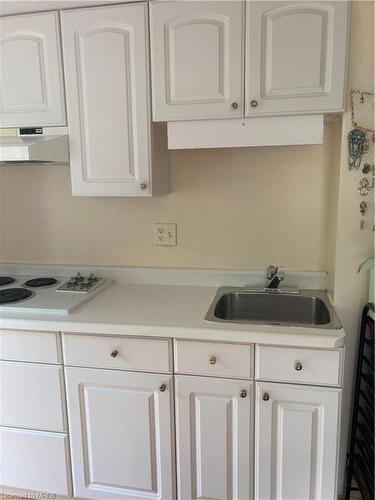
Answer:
(32, 396)
(293, 364)
(216, 359)
(34, 460)
(22, 345)
(119, 353)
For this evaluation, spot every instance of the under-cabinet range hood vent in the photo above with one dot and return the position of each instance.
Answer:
(34, 146)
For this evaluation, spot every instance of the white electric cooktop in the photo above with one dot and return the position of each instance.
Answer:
(48, 294)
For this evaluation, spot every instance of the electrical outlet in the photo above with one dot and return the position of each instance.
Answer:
(165, 234)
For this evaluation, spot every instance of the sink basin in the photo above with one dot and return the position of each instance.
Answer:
(308, 308)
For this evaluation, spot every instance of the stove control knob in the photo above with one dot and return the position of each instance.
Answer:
(92, 277)
(86, 281)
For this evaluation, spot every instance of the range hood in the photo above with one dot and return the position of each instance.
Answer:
(34, 146)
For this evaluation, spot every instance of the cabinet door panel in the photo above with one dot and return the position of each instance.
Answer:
(106, 73)
(32, 90)
(296, 440)
(213, 438)
(296, 57)
(121, 434)
(197, 59)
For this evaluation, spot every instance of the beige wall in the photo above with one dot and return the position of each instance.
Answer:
(352, 245)
(234, 208)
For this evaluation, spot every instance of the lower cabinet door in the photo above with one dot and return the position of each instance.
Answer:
(214, 441)
(296, 442)
(121, 433)
(34, 461)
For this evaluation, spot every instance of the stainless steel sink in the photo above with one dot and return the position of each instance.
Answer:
(308, 308)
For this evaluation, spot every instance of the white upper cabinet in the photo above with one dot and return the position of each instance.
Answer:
(295, 60)
(31, 81)
(121, 434)
(296, 436)
(295, 57)
(106, 61)
(197, 56)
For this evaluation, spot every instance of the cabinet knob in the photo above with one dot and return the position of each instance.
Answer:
(162, 388)
(253, 103)
(243, 393)
(212, 360)
(234, 105)
(114, 354)
(298, 366)
(266, 396)
(143, 186)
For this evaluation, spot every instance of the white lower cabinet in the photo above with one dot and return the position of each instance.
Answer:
(214, 438)
(121, 434)
(34, 460)
(32, 396)
(234, 441)
(296, 441)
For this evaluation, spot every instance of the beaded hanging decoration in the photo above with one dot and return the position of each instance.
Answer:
(357, 138)
(358, 147)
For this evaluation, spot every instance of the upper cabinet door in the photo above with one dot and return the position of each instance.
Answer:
(295, 57)
(31, 81)
(197, 59)
(106, 74)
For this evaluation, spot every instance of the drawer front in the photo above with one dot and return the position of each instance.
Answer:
(22, 345)
(32, 396)
(305, 366)
(33, 460)
(119, 353)
(216, 359)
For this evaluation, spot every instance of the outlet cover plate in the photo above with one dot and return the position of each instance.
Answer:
(165, 234)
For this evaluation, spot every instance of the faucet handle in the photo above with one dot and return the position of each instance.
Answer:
(271, 272)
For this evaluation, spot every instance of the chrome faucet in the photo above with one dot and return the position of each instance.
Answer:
(275, 277)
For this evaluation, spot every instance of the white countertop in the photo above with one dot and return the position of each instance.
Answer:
(165, 311)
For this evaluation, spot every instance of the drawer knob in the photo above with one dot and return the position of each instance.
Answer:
(266, 396)
(143, 186)
(114, 354)
(212, 360)
(298, 366)
(253, 103)
(234, 105)
(243, 393)
(162, 388)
